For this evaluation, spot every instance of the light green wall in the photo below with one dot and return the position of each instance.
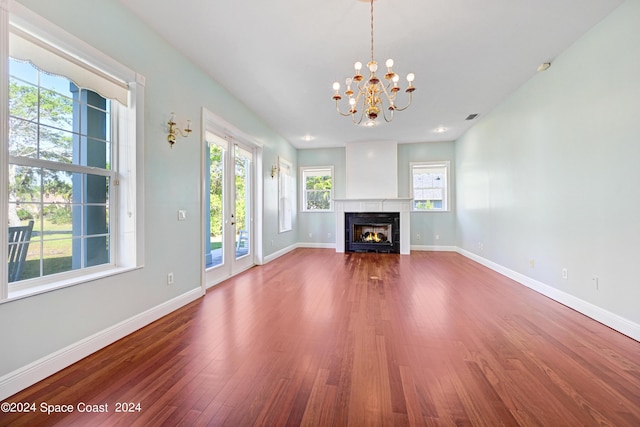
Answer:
(552, 174)
(46, 323)
(320, 227)
(428, 229)
(273, 240)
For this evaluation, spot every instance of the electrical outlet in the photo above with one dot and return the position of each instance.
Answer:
(418, 236)
(565, 273)
(310, 234)
(182, 215)
(329, 235)
(170, 279)
(437, 237)
(532, 263)
(596, 280)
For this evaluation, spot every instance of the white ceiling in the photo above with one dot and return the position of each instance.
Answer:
(280, 57)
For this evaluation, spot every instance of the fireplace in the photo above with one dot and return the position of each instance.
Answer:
(372, 232)
(399, 206)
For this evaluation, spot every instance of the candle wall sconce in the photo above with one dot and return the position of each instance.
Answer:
(174, 130)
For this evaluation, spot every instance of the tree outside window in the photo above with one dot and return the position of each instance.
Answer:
(317, 188)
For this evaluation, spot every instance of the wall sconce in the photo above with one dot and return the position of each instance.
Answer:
(174, 130)
(274, 171)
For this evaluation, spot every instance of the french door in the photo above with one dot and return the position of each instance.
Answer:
(229, 206)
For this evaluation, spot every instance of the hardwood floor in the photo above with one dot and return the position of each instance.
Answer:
(319, 338)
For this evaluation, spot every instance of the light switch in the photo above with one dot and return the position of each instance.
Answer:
(182, 215)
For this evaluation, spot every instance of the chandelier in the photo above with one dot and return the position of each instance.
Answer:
(372, 94)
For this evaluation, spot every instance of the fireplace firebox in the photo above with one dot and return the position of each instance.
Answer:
(372, 232)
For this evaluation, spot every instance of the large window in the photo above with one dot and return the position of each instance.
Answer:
(430, 186)
(317, 188)
(60, 176)
(69, 178)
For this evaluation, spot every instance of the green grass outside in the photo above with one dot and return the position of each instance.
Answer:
(31, 268)
(57, 250)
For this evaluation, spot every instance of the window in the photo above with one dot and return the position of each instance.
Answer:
(71, 144)
(430, 186)
(285, 195)
(317, 188)
(60, 172)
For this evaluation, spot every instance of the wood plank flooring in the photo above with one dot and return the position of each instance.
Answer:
(317, 338)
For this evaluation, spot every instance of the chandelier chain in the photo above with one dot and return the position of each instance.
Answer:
(371, 30)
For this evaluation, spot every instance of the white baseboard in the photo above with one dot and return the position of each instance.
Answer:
(433, 248)
(278, 254)
(612, 320)
(30, 374)
(316, 245)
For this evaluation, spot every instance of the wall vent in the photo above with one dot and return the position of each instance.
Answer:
(471, 116)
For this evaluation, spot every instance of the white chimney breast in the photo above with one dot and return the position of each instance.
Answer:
(372, 170)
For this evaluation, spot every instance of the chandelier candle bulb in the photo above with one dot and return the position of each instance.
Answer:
(390, 74)
(336, 88)
(348, 82)
(395, 79)
(358, 76)
(372, 95)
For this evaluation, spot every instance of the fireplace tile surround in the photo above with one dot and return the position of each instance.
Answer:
(399, 205)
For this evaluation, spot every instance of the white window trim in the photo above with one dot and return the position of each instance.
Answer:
(303, 189)
(285, 185)
(446, 164)
(128, 231)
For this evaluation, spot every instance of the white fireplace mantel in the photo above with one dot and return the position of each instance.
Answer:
(400, 205)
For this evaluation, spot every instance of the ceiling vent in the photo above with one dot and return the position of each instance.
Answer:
(471, 116)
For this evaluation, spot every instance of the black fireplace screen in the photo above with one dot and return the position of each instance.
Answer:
(372, 233)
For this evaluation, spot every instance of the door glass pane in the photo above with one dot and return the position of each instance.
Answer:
(242, 204)
(215, 254)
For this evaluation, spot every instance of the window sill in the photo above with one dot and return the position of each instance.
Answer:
(43, 286)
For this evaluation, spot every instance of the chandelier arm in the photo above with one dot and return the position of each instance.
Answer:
(353, 116)
(407, 106)
(390, 98)
(340, 112)
(384, 114)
